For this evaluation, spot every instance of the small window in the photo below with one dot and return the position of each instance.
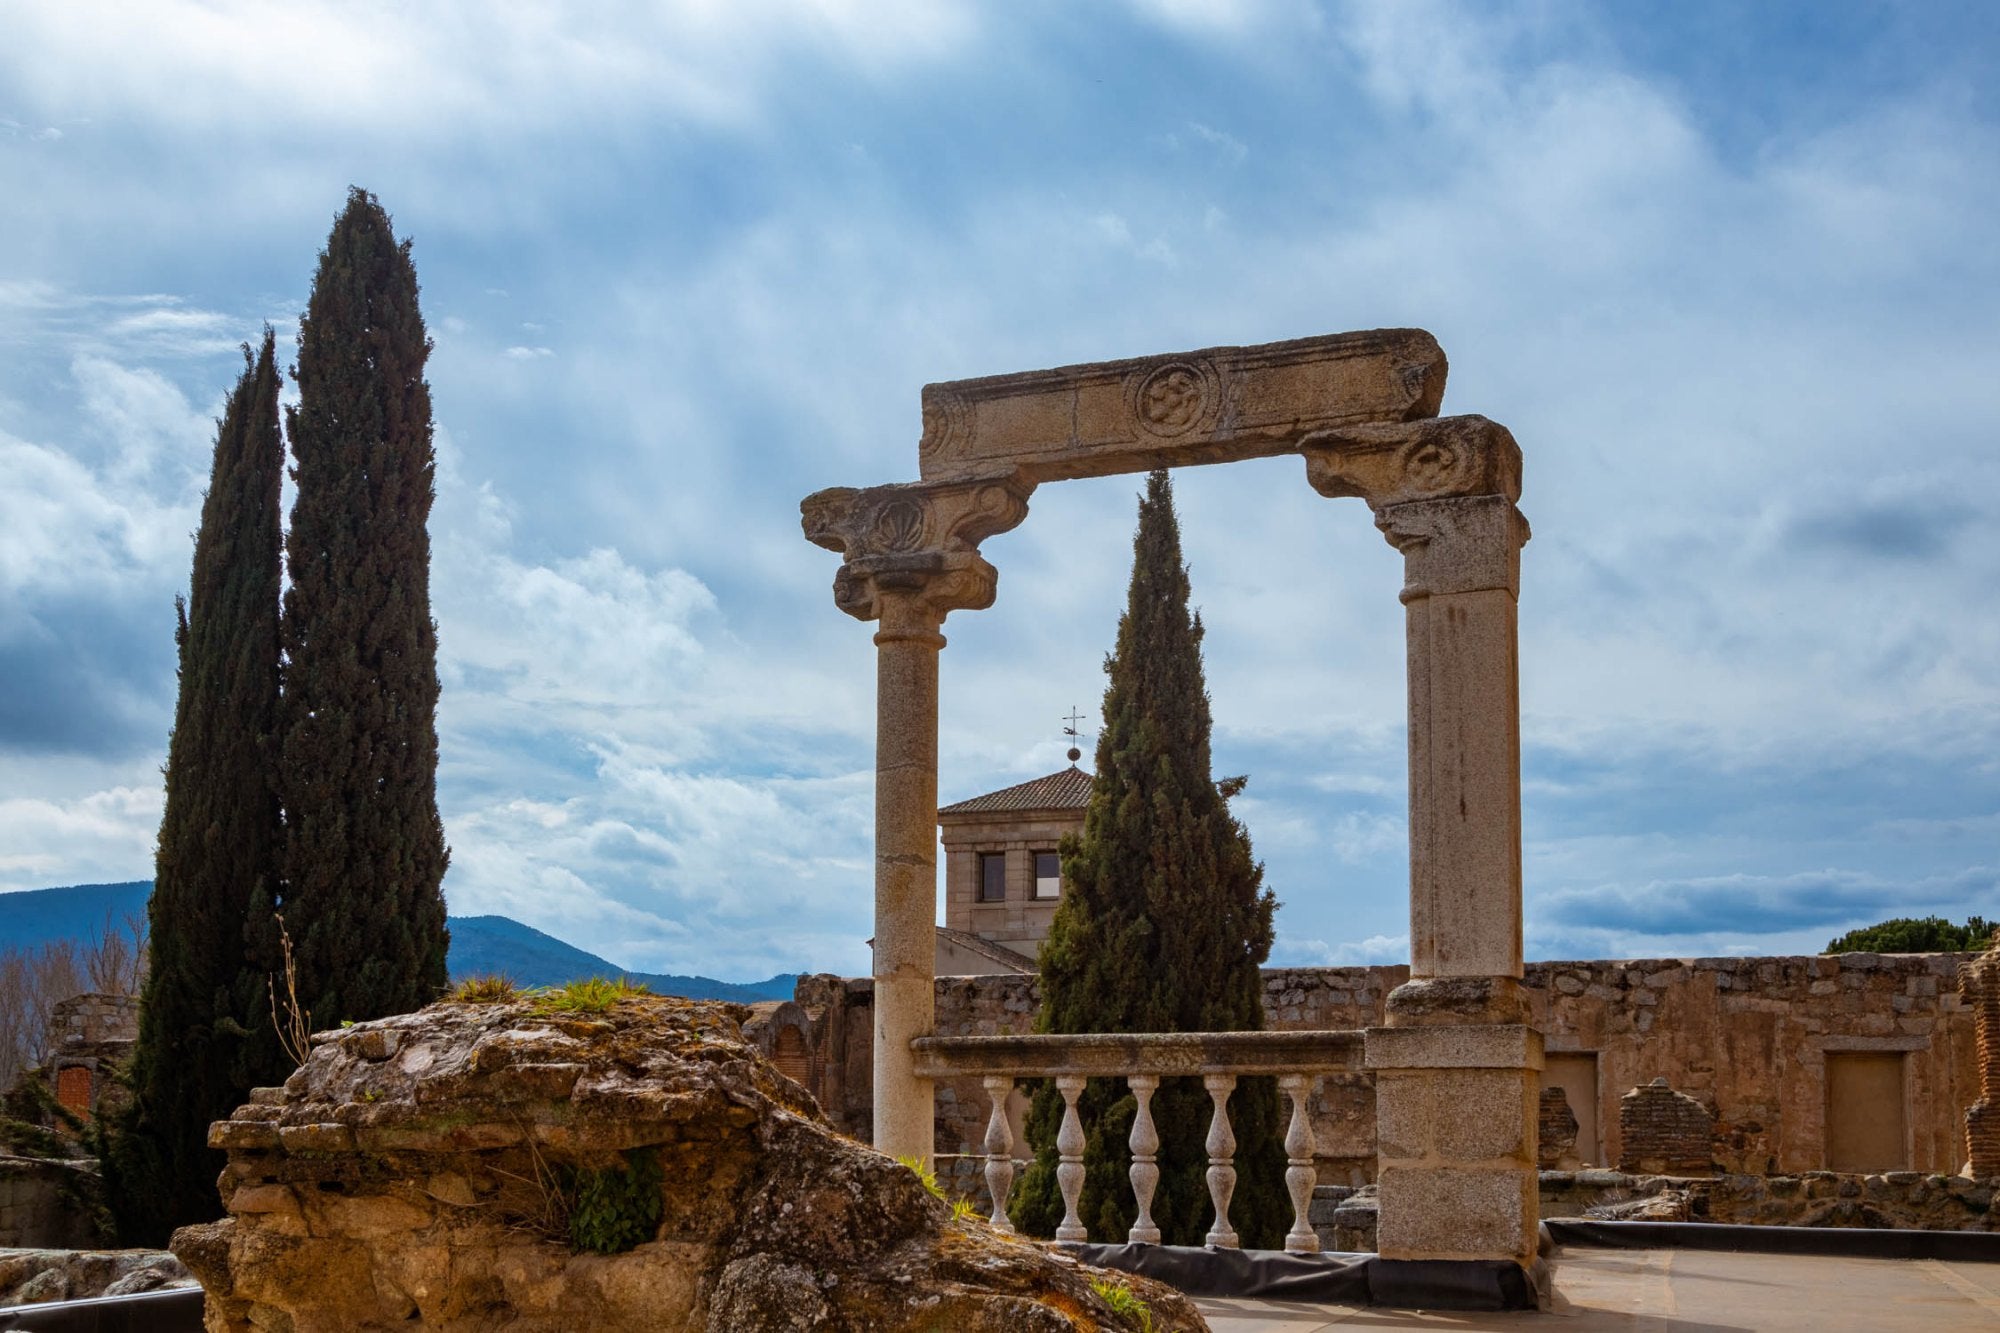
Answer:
(992, 877)
(1048, 875)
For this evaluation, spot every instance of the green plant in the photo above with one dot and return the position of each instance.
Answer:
(962, 1210)
(1124, 1302)
(591, 995)
(489, 989)
(925, 1174)
(612, 1209)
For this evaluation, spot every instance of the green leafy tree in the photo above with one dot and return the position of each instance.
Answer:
(1904, 934)
(365, 850)
(1162, 927)
(217, 865)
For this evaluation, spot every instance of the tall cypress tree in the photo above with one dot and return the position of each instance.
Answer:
(1162, 927)
(218, 859)
(365, 849)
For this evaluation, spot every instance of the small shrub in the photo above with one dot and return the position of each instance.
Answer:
(1124, 1302)
(484, 990)
(614, 1208)
(963, 1211)
(592, 995)
(925, 1174)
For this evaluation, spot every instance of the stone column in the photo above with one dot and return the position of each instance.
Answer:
(910, 557)
(1456, 1067)
(1979, 988)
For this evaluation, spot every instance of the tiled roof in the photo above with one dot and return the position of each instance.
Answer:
(1066, 789)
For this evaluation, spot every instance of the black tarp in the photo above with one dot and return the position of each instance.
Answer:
(1344, 1279)
(1851, 1242)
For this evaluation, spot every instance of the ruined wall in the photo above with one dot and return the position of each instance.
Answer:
(48, 1203)
(1748, 1038)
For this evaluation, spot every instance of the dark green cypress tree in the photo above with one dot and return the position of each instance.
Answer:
(218, 858)
(1162, 926)
(365, 849)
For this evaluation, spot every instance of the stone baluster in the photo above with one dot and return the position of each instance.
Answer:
(999, 1149)
(1145, 1159)
(910, 556)
(1221, 1159)
(1299, 1170)
(1069, 1146)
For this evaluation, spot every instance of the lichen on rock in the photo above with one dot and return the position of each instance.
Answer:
(464, 1168)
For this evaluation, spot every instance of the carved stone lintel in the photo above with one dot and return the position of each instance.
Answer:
(1215, 405)
(1463, 544)
(917, 539)
(1394, 464)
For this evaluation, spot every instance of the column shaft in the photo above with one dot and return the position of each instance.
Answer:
(906, 757)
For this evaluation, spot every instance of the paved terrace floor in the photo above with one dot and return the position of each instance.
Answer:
(1688, 1291)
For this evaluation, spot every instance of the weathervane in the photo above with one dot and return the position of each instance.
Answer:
(1075, 719)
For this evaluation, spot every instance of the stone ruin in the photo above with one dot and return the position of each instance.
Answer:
(1557, 1132)
(447, 1168)
(1979, 988)
(1666, 1133)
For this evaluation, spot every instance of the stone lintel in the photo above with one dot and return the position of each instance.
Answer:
(1216, 405)
(1169, 1054)
(1896, 1043)
(920, 539)
(1473, 1046)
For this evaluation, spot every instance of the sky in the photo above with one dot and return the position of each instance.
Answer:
(1726, 271)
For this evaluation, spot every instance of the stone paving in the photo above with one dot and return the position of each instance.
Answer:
(1688, 1291)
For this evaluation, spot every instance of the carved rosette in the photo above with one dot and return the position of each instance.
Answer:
(1174, 398)
(1415, 460)
(920, 540)
(947, 420)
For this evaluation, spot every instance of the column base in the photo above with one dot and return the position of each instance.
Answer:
(1455, 1123)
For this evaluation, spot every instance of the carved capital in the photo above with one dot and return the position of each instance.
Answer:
(1461, 544)
(912, 550)
(1395, 464)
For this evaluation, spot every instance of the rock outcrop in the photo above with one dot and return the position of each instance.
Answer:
(513, 1165)
(32, 1277)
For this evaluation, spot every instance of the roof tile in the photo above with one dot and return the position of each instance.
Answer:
(1065, 789)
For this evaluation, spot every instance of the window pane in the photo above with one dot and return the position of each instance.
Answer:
(992, 877)
(1048, 875)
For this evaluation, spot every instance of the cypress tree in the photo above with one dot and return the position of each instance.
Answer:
(218, 859)
(365, 851)
(1161, 929)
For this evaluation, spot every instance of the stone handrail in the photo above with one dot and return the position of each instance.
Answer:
(1142, 1060)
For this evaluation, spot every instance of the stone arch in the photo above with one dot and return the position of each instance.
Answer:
(1362, 410)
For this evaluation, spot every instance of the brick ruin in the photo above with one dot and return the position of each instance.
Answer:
(1663, 1132)
(1776, 1052)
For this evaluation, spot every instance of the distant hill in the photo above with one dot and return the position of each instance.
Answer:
(479, 944)
(487, 944)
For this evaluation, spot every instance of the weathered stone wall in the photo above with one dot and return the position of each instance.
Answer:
(1748, 1038)
(38, 1276)
(1555, 1137)
(48, 1203)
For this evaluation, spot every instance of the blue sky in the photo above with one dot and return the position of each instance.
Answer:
(1727, 271)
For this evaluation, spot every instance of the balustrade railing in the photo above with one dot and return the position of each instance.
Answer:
(1218, 1059)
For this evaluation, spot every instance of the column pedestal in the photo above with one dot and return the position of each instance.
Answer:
(1455, 1117)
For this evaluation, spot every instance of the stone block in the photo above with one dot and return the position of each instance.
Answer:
(1457, 1213)
(1471, 1046)
(1465, 1115)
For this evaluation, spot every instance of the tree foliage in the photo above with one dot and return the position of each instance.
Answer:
(1904, 934)
(217, 864)
(365, 849)
(1163, 925)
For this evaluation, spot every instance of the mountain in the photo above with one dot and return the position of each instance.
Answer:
(500, 944)
(480, 945)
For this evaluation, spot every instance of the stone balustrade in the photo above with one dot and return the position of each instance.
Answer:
(1218, 1059)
